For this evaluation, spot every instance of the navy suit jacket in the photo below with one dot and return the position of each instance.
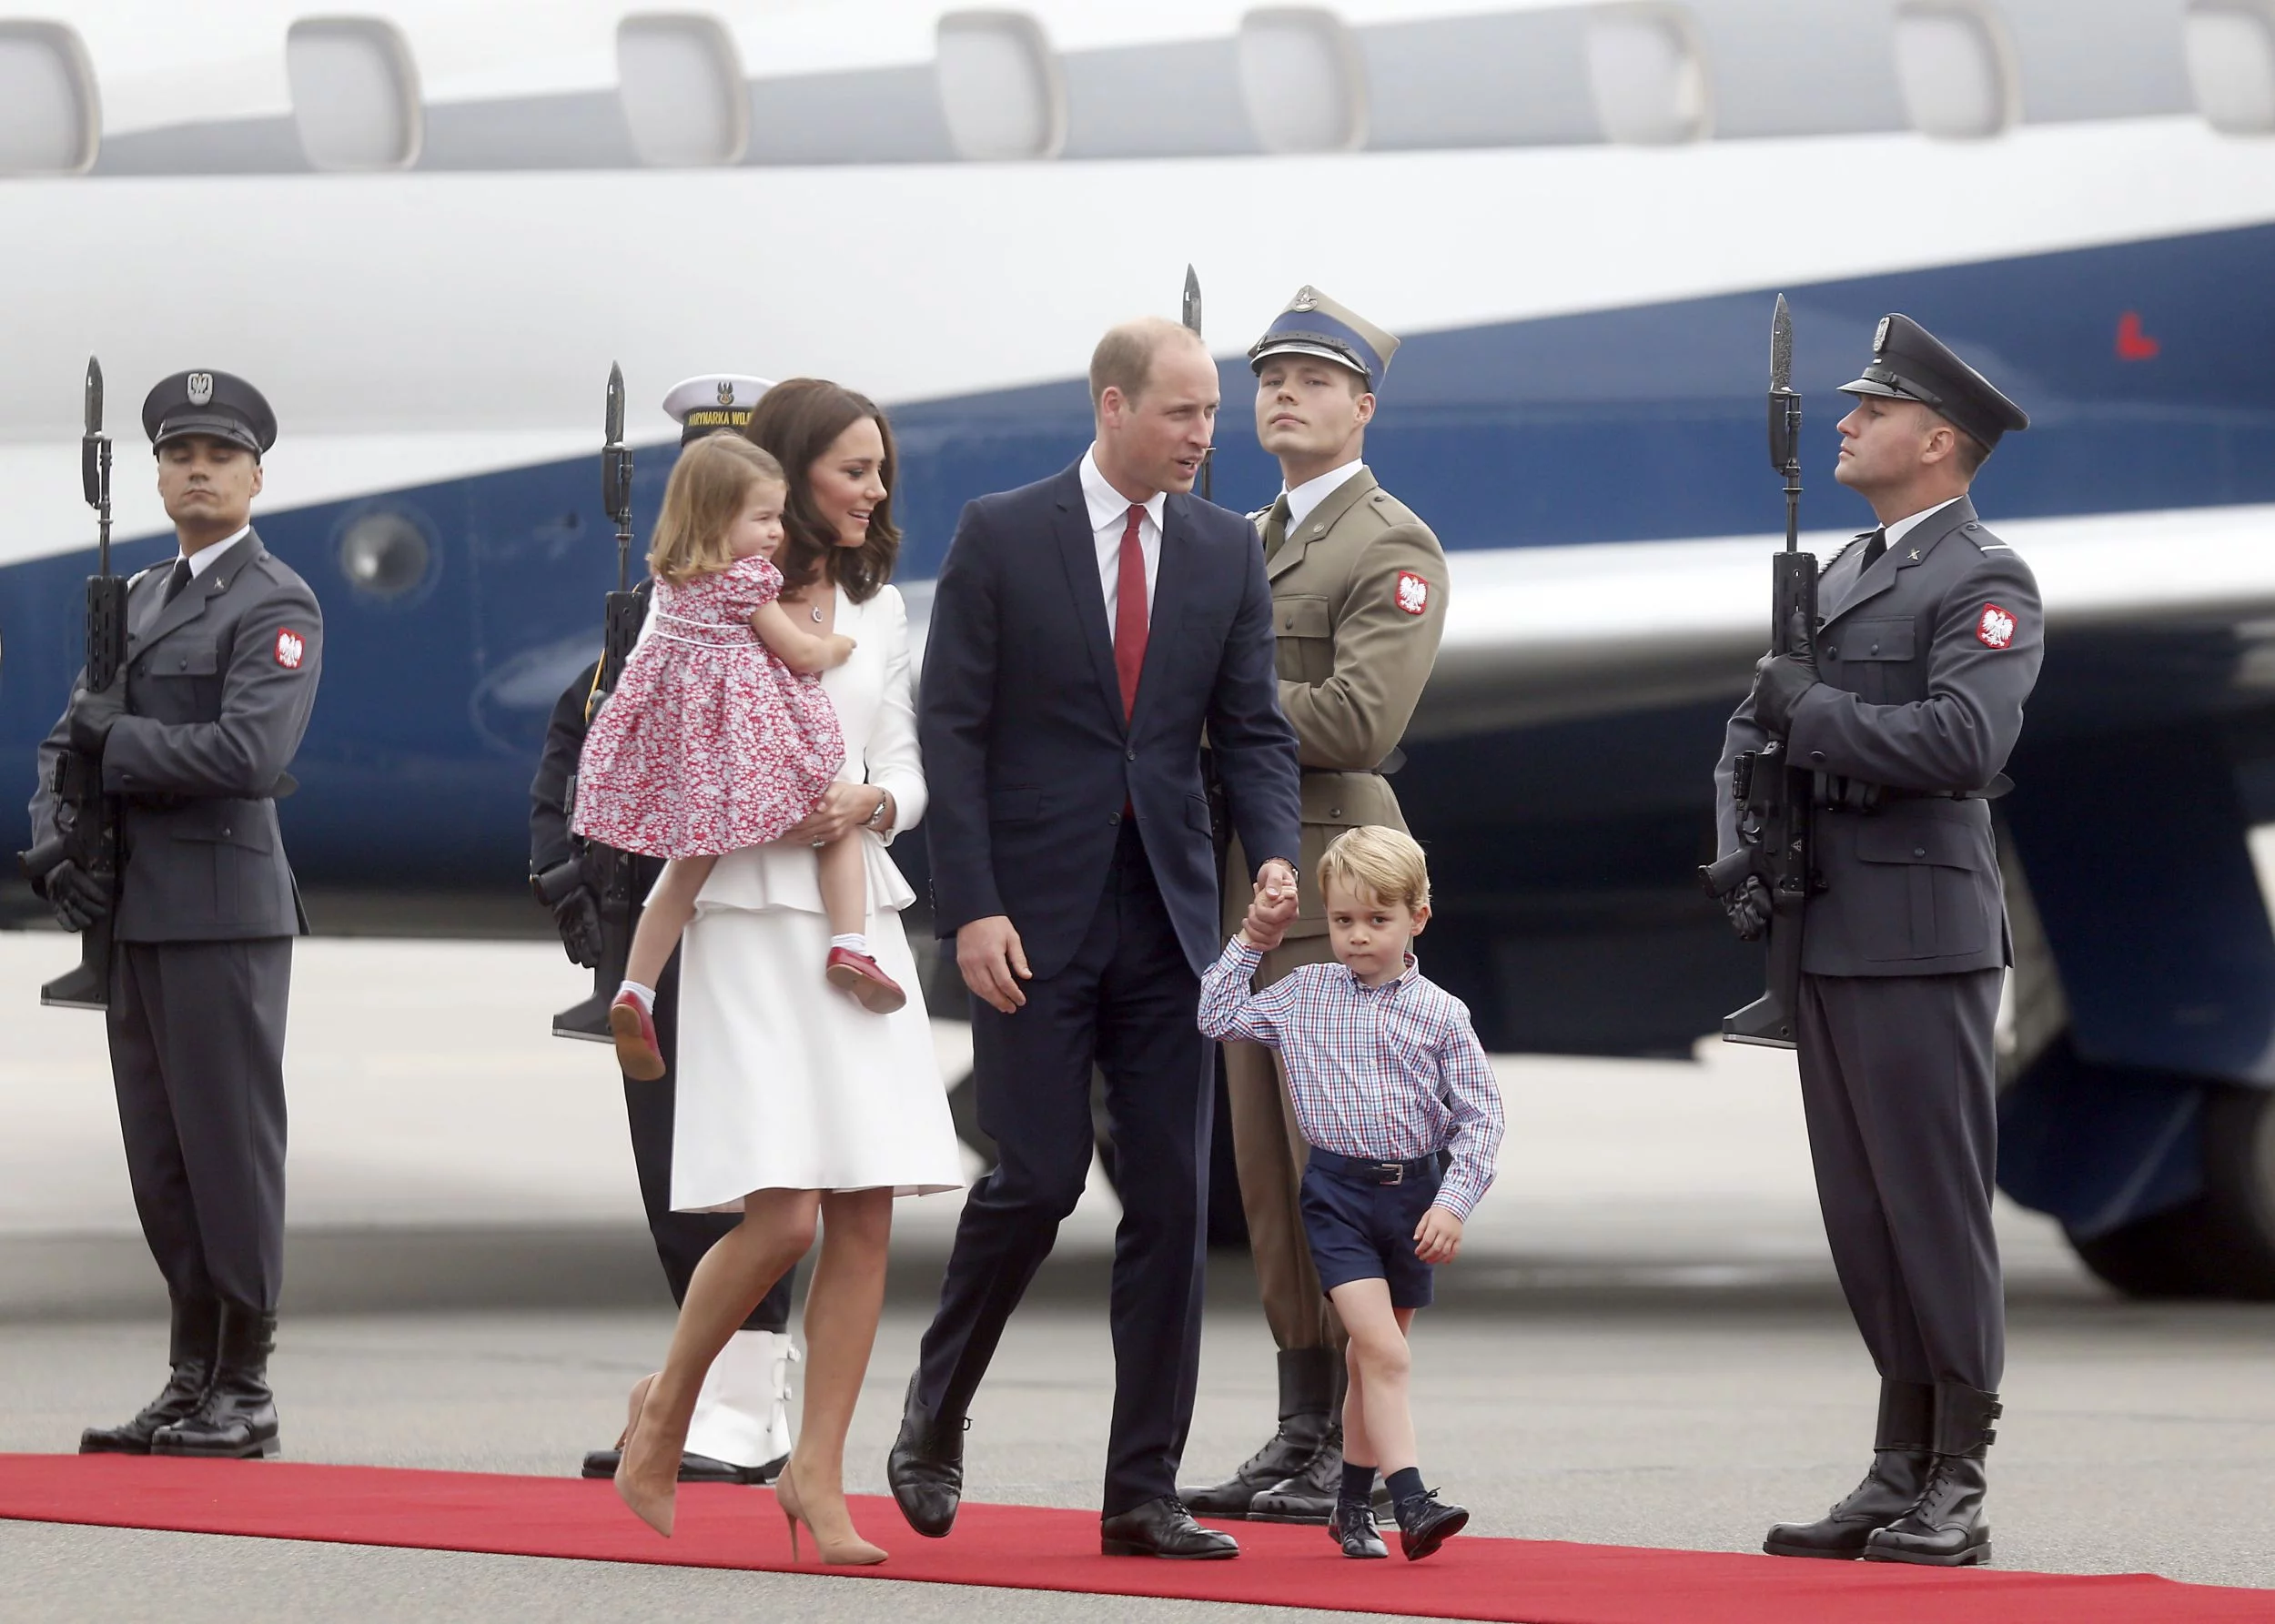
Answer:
(1026, 753)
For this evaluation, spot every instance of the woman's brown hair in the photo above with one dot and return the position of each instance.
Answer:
(709, 486)
(798, 420)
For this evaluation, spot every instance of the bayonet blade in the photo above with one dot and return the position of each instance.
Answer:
(1781, 346)
(1192, 299)
(94, 397)
(615, 426)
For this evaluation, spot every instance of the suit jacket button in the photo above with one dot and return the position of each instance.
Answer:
(1875, 648)
(1113, 817)
(1334, 812)
(185, 662)
(1919, 850)
(1130, 755)
(1832, 653)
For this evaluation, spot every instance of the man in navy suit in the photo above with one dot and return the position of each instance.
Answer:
(1086, 629)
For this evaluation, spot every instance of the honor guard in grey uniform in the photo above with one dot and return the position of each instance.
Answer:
(224, 647)
(740, 1430)
(1358, 601)
(1906, 699)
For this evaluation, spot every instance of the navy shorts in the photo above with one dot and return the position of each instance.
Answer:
(1362, 1228)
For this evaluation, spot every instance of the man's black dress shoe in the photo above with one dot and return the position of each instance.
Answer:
(1307, 1408)
(1351, 1526)
(1946, 1528)
(237, 1418)
(1163, 1528)
(925, 1468)
(693, 1468)
(1424, 1524)
(1901, 1457)
(195, 1336)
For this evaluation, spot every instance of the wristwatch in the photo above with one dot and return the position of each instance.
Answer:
(876, 819)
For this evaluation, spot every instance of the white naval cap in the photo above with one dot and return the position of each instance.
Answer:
(713, 401)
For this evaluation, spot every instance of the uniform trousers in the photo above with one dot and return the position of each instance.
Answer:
(1896, 1084)
(1270, 1153)
(196, 1039)
(1127, 1003)
(681, 1238)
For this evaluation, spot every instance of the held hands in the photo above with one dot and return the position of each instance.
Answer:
(1273, 907)
(1437, 1237)
(987, 952)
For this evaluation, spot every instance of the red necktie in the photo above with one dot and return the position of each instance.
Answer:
(1130, 613)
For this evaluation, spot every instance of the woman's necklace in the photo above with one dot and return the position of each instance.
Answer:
(817, 614)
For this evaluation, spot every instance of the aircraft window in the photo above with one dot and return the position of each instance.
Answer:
(1515, 79)
(51, 120)
(385, 552)
(2231, 66)
(1302, 80)
(681, 81)
(1955, 70)
(355, 93)
(1000, 86)
(1647, 75)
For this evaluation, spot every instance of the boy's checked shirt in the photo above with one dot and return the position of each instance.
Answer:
(1392, 1072)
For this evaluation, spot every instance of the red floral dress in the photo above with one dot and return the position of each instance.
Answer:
(710, 743)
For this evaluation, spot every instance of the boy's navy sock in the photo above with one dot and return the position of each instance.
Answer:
(1404, 1484)
(1358, 1484)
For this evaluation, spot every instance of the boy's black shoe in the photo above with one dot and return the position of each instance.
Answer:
(1424, 1524)
(1351, 1526)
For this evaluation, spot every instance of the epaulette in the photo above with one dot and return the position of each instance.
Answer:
(1985, 542)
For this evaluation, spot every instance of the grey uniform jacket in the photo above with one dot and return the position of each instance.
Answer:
(219, 686)
(1925, 662)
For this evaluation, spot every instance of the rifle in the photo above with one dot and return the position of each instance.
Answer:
(87, 819)
(1775, 839)
(1191, 317)
(607, 870)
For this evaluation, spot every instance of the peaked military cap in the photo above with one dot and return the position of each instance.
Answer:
(1314, 324)
(218, 403)
(1910, 363)
(712, 403)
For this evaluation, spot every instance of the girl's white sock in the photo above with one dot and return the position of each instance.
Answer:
(853, 943)
(645, 995)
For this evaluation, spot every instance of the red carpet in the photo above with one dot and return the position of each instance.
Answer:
(1524, 1581)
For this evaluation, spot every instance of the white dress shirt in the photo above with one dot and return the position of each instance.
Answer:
(1109, 516)
(1305, 497)
(206, 558)
(1901, 528)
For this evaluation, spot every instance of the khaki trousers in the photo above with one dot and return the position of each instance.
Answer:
(1270, 1154)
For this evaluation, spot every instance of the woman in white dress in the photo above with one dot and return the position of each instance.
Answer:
(797, 1107)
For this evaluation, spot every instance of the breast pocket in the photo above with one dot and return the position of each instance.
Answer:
(1930, 889)
(1306, 630)
(1870, 655)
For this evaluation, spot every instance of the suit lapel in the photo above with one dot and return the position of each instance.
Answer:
(191, 600)
(1319, 520)
(1079, 551)
(1901, 556)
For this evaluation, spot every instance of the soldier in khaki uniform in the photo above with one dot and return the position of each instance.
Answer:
(1358, 600)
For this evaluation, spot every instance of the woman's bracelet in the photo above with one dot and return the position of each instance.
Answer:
(876, 819)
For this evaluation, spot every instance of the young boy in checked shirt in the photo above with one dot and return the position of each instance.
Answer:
(1385, 1072)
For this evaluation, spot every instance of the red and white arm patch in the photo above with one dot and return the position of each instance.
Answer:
(292, 648)
(1411, 593)
(1996, 630)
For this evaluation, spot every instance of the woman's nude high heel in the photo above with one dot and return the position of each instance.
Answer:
(850, 1551)
(654, 1507)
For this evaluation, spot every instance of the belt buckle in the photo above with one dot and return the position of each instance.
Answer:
(1389, 1173)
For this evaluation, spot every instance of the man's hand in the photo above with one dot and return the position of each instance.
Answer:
(1748, 905)
(1781, 680)
(1437, 1237)
(1270, 914)
(987, 952)
(78, 898)
(93, 711)
(844, 808)
(577, 917)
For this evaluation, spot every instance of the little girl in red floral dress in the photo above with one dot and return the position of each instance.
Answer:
(718, 735)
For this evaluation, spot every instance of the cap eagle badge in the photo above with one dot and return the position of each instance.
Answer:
(200, 388)
(726, 391)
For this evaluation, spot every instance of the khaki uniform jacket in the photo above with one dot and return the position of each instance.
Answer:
(1359, 604)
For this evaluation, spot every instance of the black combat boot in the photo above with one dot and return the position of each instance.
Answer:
(1902, 1452)
(238, 1419)
(1307, 1406)
(1945, 1528)
(196, 1332)
(1308, 1496)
